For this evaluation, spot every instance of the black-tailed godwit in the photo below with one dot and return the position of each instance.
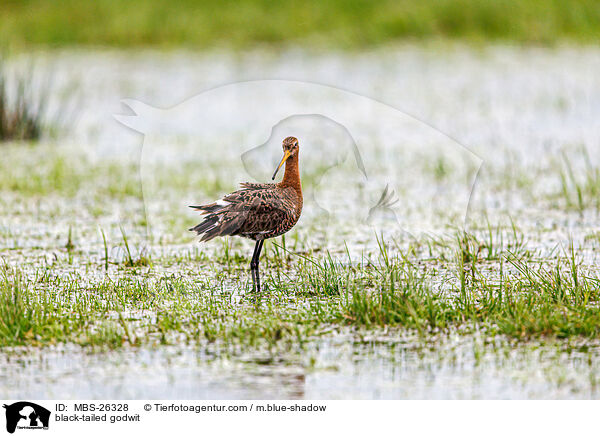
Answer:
(257, 211)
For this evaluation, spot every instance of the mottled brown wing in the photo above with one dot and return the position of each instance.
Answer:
(255, 211)
(266, 215)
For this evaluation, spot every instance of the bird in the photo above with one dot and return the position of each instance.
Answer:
(257, 211)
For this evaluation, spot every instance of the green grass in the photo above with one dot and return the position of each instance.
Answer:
(66, 173)
(21, 113)
(329, 23)
(34, 318)
(580, 189)
(135, 306)
(99, 283)
(556, 301)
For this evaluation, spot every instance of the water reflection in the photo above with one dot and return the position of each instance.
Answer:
(343, 367)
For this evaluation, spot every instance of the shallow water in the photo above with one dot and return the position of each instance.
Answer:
(342, 367)
(514, 109)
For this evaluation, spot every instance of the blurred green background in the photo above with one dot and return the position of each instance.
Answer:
(326, 23)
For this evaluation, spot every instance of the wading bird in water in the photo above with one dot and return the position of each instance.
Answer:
(257, 211)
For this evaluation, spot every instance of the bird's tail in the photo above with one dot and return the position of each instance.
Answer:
(219, 220)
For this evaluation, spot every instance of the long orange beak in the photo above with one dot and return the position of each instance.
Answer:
(286, 155)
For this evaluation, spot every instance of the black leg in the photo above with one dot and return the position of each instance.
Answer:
(254, 266)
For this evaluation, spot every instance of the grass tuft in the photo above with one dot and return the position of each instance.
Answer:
(21, 113)
(559, 301)
(580, 189)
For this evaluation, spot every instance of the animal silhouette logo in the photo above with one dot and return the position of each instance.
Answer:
(396, 173)
(26, 415)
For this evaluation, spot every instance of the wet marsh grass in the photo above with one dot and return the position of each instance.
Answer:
(495, 285)
(521, 300)
(26, 115)
(22, 115)
(117, 293)
(65, 173)
(142, 259)
(580, 188)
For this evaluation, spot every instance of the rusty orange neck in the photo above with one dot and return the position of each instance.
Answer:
(291, 177)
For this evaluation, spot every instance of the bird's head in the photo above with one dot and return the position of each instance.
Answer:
(290, 148)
